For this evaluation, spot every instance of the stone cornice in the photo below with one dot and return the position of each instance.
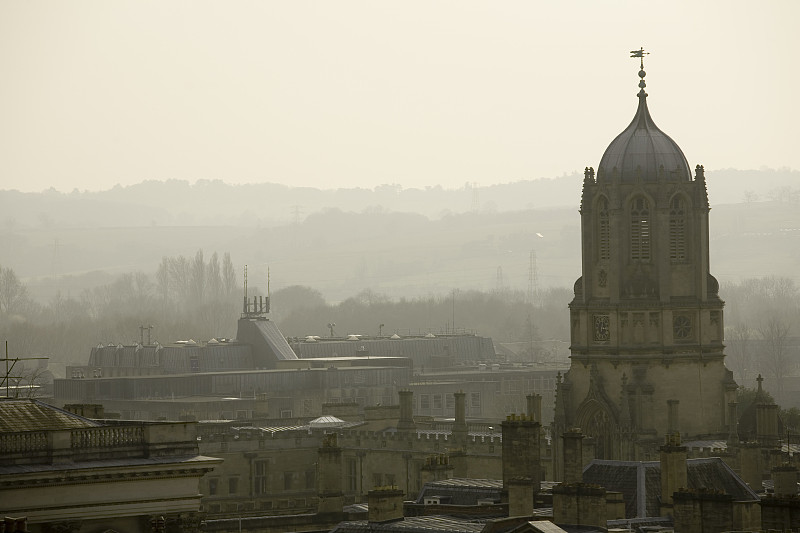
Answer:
(54, 478)
(605, 306)
(589, 356)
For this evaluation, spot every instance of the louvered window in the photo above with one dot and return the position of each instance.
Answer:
(603, 230)
(677, 230)
(640, 230)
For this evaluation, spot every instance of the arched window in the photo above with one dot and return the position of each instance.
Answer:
(640, 230)
(603, 230)
(677, 229)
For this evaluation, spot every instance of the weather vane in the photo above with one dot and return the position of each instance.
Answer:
(640, 53)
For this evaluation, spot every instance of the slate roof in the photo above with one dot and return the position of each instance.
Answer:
(275, 340)
(631, 479)
(319, 423)
(643, 152)
(416, 524)
(33, 415)
(639, 524)
(538, 526)
(713, 472)
(640, 482)
(462, 491)
(711, 445)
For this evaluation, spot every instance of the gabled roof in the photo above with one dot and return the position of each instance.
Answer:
(33, 415)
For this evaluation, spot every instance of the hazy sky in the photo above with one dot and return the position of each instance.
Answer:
(345, 93)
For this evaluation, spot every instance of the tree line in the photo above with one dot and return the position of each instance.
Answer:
(199, 297)
(761, 327)
(186, 297)
(507, 316)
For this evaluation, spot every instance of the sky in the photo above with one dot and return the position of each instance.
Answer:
(342, 93)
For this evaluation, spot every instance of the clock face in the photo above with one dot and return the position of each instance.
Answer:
(602, 331)
(682, 327)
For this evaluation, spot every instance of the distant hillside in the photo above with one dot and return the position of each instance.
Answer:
(401, 242)
(214, 203)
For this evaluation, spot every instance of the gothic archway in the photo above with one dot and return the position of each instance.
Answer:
(597, 422)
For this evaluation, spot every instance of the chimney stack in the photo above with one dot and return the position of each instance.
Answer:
(766, 418)
(785, 480)
(535, 407)
(385, 504)
(674, 474)
(573, 456)
(460, 423)
(521, 497)
(436, 468)
(406, 422)
(521, 451)
(330, 497)
(672, 417)
(767, 424)
(733, 424)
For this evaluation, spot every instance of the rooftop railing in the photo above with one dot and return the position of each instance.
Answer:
(27, 441)
(96, 443)
(105, 437)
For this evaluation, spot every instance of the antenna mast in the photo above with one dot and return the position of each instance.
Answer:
(259, 306)
(533, 279)
(245, 303)
(7, 378)
(266, 310)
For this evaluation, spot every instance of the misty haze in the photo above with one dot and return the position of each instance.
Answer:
(362, 266)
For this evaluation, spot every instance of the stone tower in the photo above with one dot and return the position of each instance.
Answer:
(646, 319)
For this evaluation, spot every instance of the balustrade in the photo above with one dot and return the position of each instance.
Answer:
(107, 437)
(28, 441)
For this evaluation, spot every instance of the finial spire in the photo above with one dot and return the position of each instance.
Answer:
(640, 53)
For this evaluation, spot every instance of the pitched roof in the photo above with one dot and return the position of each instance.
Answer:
(634, 479)
(538, 526)
(326, 421)
(462, 491)
(640, 481)
(417, 524)
(33, 415)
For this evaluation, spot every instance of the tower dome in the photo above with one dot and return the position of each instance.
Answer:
(642, 152)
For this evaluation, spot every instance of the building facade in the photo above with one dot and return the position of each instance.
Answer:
(65, 472)
(646, 318)
(275, 469)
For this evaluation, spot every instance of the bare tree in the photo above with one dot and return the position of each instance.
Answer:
(162, 283)
(228, 274)
(180, 277)
(739, 349)
(774, 331)
(29, 384)
(750, 197)
(198, 282)
(13, 292)
(214, 275)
